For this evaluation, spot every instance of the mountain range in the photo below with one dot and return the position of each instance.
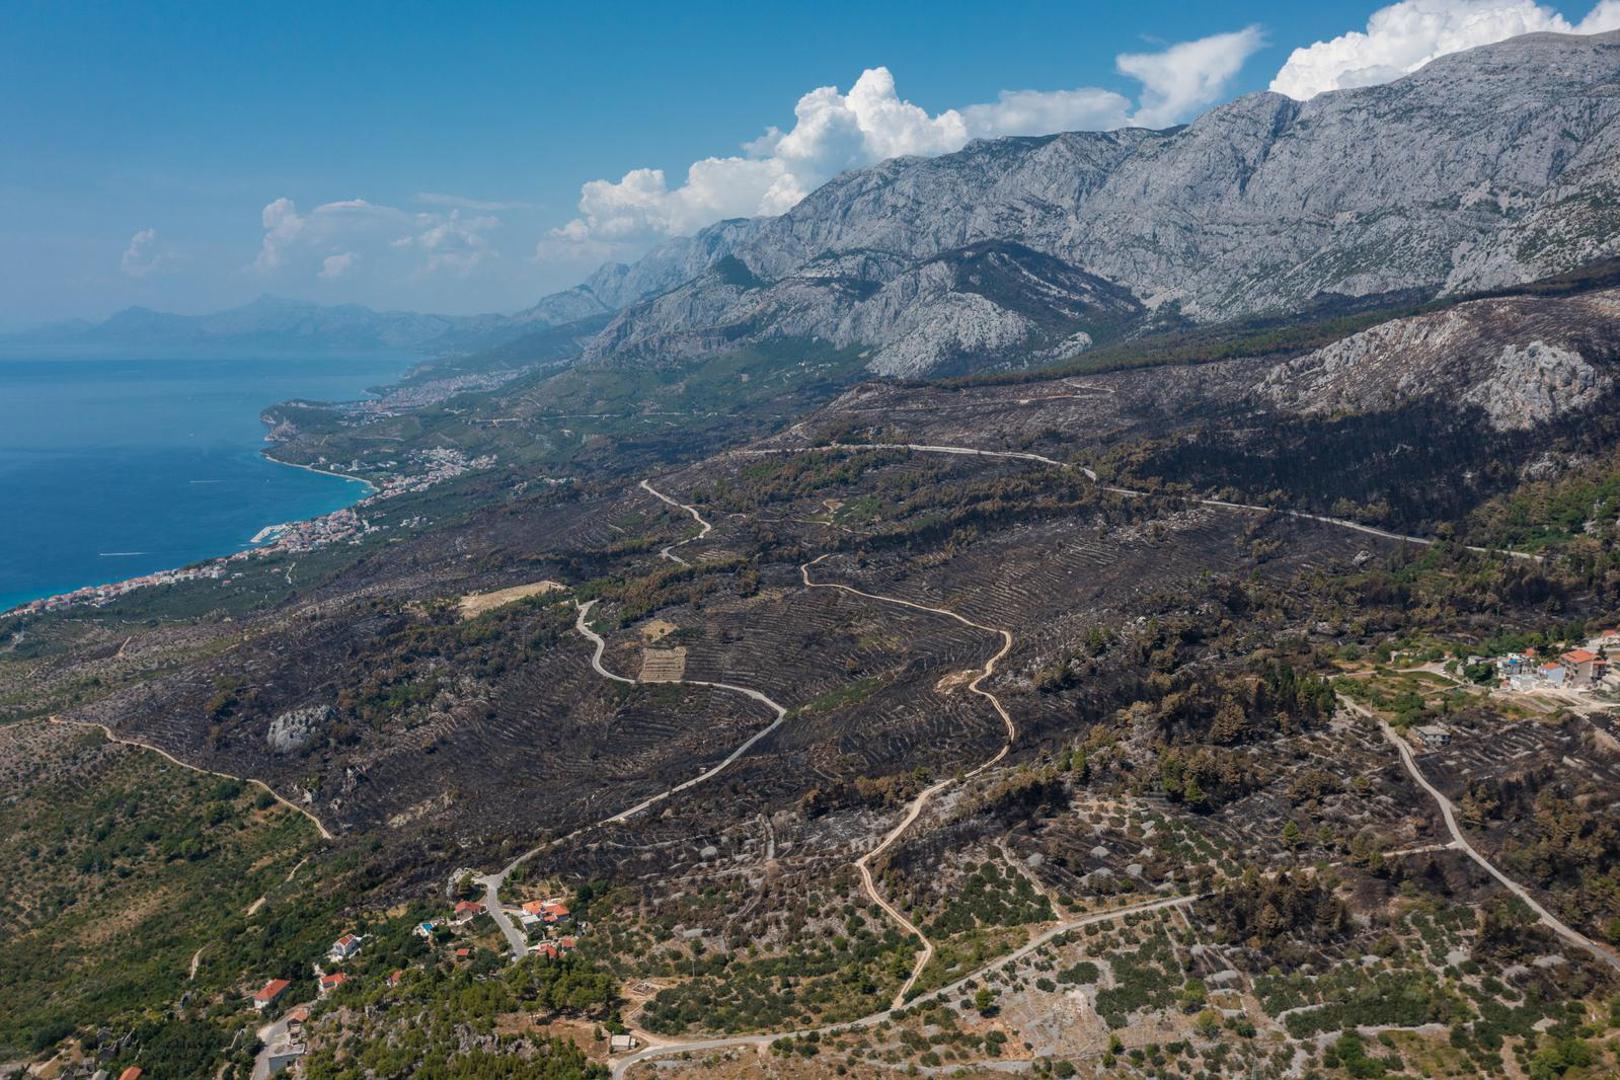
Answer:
(1485, 168)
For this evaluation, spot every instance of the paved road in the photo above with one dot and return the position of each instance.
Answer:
(667, 1049)
(1448, 812)
(271, 1034)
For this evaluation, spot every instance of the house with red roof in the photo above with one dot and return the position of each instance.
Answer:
(466, 912)
(329, 983)
(270, 993)
(344, 947)
(1584, 667)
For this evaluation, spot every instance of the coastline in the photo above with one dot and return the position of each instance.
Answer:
(296, 510)
(343, 525)
(207, 567)
(371, 489)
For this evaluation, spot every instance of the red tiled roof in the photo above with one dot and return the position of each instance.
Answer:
(468, 905)
(298, 1014)
(131, 1073)
(271, 989)
(334, 980)
(1580, 656)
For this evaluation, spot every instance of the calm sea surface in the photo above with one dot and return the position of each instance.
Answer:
(113, 468)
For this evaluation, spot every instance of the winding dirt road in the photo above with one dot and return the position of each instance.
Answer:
(113, 736)
(1459, 841)
(864, 863)
(493, 883)
(1134, 493)
(914, 810)
(670, 1047)
(668, 552)
(1449, 813)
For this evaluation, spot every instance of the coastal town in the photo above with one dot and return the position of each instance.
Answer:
(422, 470)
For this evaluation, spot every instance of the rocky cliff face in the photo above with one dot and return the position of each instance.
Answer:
(1487, 167)
(1522, 360)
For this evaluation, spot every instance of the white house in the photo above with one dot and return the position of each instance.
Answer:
(344, 947)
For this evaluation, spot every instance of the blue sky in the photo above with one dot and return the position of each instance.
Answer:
(147, 148)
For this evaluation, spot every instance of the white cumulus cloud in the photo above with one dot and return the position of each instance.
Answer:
(834, 131)
(143, 257)
(1189, 77)
(455, 244)
(1041, 112)
(1403, 37)
(330, 240)
(335, 266)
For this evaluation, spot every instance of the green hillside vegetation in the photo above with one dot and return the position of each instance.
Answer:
(120, 867)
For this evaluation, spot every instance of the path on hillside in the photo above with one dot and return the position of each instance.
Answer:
(863, 864)
(671, 1047)
(668, 552)
(493, 883)
(1448, 812)
(1135, 493)
(280, 798)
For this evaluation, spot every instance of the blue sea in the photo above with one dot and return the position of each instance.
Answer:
(113, 468)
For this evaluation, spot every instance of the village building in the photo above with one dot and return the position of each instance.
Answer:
(329, 983)
(295, 1020)
(281, 1056)
(621, 1044)
(270, 993)
(466, 911)
(344, 947)
(131, 1073)
(549, 911)
(553, 950)
(1583, 666)
(1433, 736)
